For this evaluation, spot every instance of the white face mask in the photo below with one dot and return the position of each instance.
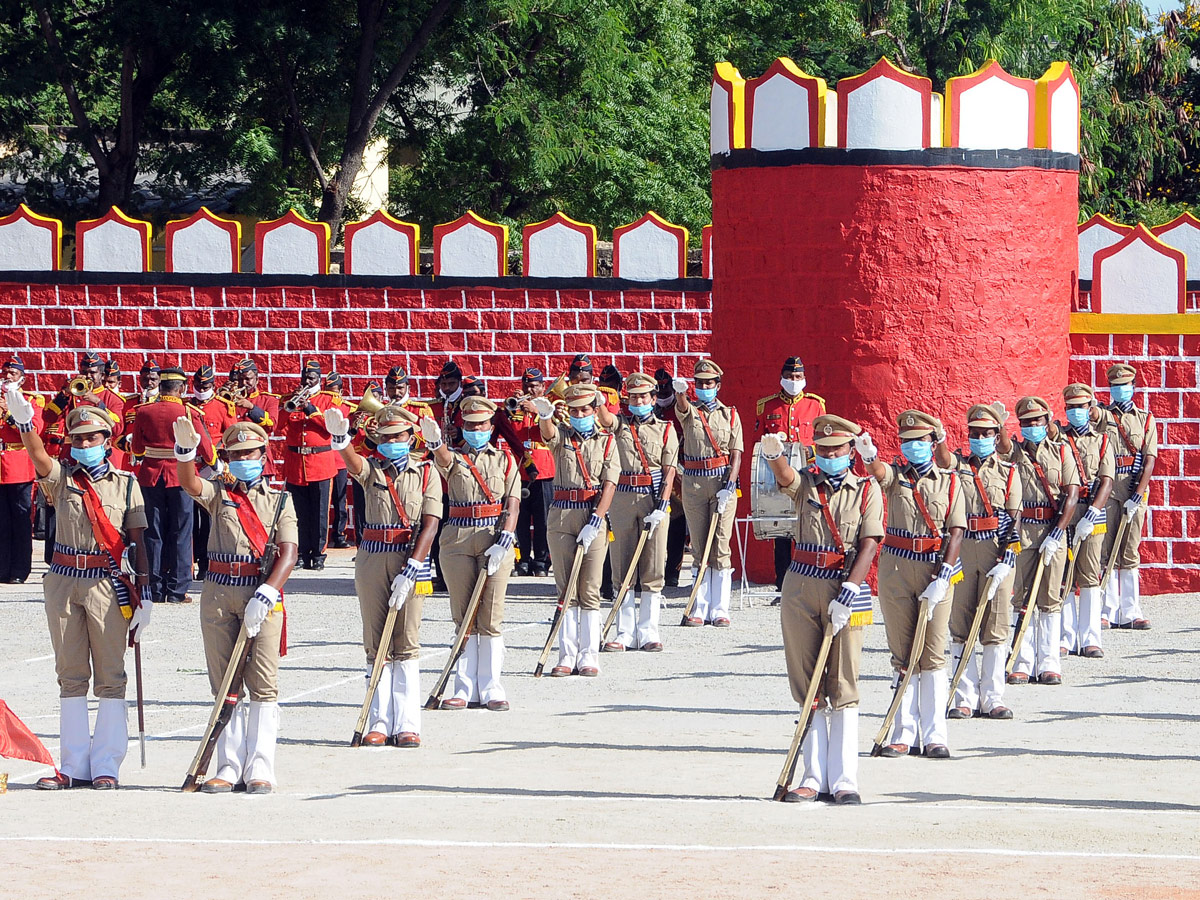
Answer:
(205, 396)
(795, 387)
(452, 397)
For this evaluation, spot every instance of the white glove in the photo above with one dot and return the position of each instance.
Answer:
(998, 573)
(186, 439)
(1051, 544)
(258, 608)
(495, 554)
(772, 446)
(935, 593)
(865, 447)
(1083, 529)
(654, 519)
(1132, 505)
(679, 385)
(141, 617)
(1001, 412)
(589, 532)
(403, 584)
(939, 432)
(336, 422)
(839, 606)
(431, 432)
(724, 495)
(19, 406)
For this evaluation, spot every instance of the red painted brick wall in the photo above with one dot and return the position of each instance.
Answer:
(1167, 385)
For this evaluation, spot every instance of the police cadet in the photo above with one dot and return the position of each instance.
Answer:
(90, 602)
(1096, 462)
(664, 409)
(537, 481)
(309, 463)
(16, 479)
(648, 450)
(992, 495)
(484, 495)
(1049, 491)
(586, 469)
(402, 504)
(168, 506)
(217, 413)
(1135, 443)
(712, 453)
(246, 517)
(789, 411)
(926, 519)
(337, 489)
(839, 524)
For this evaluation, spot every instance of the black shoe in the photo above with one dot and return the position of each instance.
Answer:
(847, 798)
(307, 564)
(937, 751)
(522, 569)
(318, 565)
(105, 783)
(539, 570)
(958, 712)
(18, 580)
(339, 543)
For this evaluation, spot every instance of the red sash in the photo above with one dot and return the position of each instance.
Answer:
(253, 526)
(106, 535)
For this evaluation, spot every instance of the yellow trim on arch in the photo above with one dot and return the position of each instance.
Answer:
(1126, 323)
(731, 79)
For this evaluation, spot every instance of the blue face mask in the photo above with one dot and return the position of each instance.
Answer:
(1078, 417)
(1035, 434)
(246, 470)
(393, 450)
(477, 440)
(983, 447)
(706, 395)
(88, 456)
(583, 424)
(640, 411)
(1121, 393)
(917, 452)
(833, 465)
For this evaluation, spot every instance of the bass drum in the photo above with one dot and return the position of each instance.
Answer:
(773, 512)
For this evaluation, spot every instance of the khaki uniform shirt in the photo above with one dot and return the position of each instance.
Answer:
(854, 521)
(658, 441)
(903, 513)
(1090, 462)
(994, 474)
(1060, 470)
(418, 502)
(723, 422)
(72, 527)
(599, 455)
(499, 472)
(1143, 438)
(226, 534)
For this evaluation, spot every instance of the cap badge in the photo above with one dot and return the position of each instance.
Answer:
(242, 437)
(828, 429)
(910, 421)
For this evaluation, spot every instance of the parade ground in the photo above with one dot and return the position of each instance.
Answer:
(652, 780)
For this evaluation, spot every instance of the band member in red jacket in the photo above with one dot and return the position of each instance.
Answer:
(309, 463)
(16, 481)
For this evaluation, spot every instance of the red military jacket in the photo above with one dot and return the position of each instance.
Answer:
(217, 414)
(307, 456)
(113, 402)
(15, 465)
(532, 447)
(792, 416)
(152, 440)
(269, 420)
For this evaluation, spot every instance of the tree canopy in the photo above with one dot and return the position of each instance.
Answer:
(518, 108)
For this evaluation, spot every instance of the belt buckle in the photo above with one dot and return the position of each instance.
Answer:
(81, 561)
(822, 557)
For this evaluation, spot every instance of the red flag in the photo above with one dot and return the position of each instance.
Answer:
(18, 742)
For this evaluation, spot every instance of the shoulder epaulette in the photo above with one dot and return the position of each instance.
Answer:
(36, 399)
(762, 404)
(816, 397)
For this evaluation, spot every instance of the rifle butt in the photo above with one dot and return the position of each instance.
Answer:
(189, 786)
(356, 741)
(876, 750)
(780, 792)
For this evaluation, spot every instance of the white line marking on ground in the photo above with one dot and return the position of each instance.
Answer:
(581, 845)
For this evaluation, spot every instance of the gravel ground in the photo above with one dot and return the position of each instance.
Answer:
(649, 781)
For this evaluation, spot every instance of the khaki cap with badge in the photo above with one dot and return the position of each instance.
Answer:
(914, 424)
(983, 415)
(578, 395)
(244, 436)
(833, 431)
(477, 409)
(394, 419)
(1032, 408)
(1121, 373)
(706, 368)
(1078, 394)
(88, 419)
(640, 383)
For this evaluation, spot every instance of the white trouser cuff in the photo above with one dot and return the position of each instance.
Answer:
(700, 609)
(1069, 638)
(491, 660)
(262, 732)
(74, 738)
(231, 747)
(110, 742)
(1049, 629)
(992, 679)
(626, 620)
(589, 638)
(967, 692)
(720, 589)
(1089, 617)
(568, 639)
(904, 729)
(379, 716)
(466, 671)
(647, 626)
(815, 751)
(935, 688)
(1024, 663)
(406, 695)
(1131, 601)
(843, 750)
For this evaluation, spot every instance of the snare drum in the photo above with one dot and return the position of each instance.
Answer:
(772, 512)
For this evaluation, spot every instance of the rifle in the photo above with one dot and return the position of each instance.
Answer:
(1122, 527)
(626, 582)
(460, 639)
(229, 694)
(805, 720)
(969, 645)
(385, 641)
(700, 572)
(1030, 607)
(560, 611)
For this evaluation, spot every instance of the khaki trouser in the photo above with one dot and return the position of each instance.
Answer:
(221, 611)
(901, 582)
(1049, 598)
(1129, 554)
(803, 614)
(373, 576)
(89, 635)
(626, 515)
(563, 527)
(977, 558)
(699, 504)
(1087, 557)
(461, 562)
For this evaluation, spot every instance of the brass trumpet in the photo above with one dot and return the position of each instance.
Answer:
(300, 399)
(231, 392)
(79, 386)
(512, 405)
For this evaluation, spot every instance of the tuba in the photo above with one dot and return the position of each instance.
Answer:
(369, 405)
